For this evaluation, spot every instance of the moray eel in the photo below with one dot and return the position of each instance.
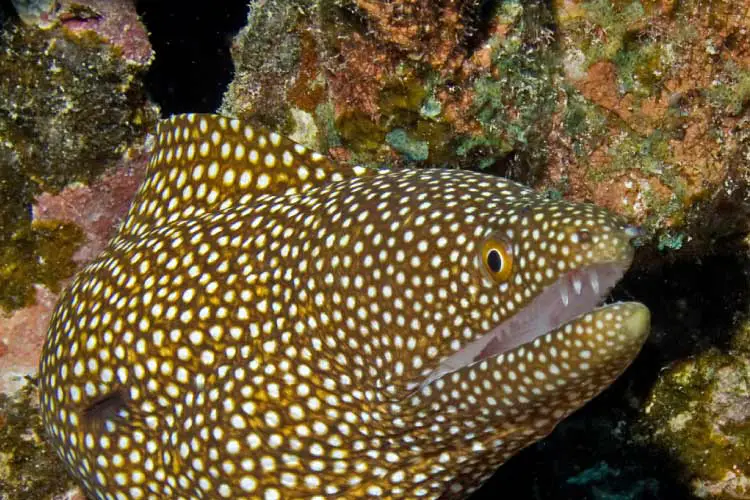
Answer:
(269, 324)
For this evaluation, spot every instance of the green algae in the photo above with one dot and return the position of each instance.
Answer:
(360, 133)
(697, 411)
(670, 241)
(402, 125)
(649, 154)
(29, 468)
(731, 96)
(69, 107)
(584, 122)
(642, 67)
(601, 34)
(52, 245)
(516, 101)
(411, 149)
(431, 108)
(410, 106)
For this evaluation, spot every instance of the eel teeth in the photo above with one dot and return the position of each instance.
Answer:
(594, 280)
(564, 295)
(577, 286)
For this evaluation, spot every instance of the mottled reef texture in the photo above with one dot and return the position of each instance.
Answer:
(700, 411)
(72, 104)
(30, 469)
(638, 106)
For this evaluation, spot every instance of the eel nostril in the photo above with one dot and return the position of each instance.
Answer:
(584, 236)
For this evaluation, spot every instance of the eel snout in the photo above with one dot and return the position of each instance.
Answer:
(570, 300)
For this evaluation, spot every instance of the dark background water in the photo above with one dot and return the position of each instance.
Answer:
(192, 40)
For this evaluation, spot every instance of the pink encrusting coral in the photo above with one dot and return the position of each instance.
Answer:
(115, 21)
(96, 209)
(21, 337)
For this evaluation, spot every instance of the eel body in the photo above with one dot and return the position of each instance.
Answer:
(269, 324)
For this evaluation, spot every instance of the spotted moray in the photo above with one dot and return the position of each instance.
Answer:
(269, 324)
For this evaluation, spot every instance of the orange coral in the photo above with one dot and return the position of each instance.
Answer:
(358, 76)
(675, 110)
(428, 30)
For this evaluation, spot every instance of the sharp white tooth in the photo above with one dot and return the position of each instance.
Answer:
(594, 279)
(564, 295)
(577, 286)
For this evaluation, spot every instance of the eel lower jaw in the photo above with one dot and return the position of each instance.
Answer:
(576, 293)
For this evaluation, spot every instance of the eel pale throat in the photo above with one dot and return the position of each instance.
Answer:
(268, 324)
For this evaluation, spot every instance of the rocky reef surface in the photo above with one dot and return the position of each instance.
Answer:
(73, 116)
(642, 106)
(637, 106)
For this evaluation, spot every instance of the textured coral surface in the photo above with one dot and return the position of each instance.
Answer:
(638, 106)
(700, 411)
(71, 104)
(30, 469)
(658, 106)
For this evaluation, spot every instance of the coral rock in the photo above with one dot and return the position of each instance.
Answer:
(70, 104)
(699, 410)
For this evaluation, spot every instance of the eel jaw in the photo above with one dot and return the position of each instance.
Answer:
(574, 294)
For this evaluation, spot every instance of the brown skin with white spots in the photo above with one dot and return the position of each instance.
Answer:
(270, 325)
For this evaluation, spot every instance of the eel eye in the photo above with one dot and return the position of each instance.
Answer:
(497, 258)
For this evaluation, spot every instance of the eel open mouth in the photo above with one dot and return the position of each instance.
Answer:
(574, 294)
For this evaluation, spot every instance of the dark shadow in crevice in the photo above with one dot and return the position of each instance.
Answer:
(696, 303)
(480, 24)
(193, 64)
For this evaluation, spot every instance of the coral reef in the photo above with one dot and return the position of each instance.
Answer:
(71, 102)
(267, 54)
(116, 23)
(656, 124)
(30, 468)
(699, 411)
(465, 87)
(638, 106)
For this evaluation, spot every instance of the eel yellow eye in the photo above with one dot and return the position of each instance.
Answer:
(497, 258)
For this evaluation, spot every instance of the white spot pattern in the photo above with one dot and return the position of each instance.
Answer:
(255, 328)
